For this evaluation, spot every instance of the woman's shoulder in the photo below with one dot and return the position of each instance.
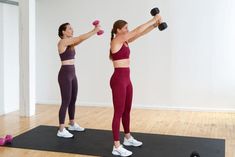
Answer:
(60, 43)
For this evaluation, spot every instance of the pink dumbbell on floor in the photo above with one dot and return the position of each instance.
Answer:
(2, 141)
(7, 140)
(95, 23)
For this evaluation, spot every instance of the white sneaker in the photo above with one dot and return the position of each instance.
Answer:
(64, 134)
(132, 142)
(75, 127)
(121, 151)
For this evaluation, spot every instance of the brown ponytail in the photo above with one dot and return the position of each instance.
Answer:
(110, 53)
(117, 25)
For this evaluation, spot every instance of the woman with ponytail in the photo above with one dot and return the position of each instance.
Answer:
(120, 82)
(67, 77)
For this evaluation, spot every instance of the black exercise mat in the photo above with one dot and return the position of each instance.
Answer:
(99, 143)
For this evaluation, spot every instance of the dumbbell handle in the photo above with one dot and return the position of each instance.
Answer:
(95, 23)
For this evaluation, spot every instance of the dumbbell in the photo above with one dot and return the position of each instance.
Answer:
(194, 154)
(162, 25)
(95, 23)
(7, 140)
(2, 141)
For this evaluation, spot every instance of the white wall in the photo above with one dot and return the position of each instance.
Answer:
(1, 62)
(187, 66)
(9, 59)
(202, 48)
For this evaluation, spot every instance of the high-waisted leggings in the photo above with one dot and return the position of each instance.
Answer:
(122, 99)
(68, 88)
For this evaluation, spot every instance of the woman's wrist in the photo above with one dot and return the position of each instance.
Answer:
(155, 25)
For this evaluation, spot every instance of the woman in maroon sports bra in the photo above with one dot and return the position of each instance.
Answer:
(67, 78)
(120, 82)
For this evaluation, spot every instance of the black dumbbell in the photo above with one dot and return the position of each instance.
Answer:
(163, 25)
(194, 154)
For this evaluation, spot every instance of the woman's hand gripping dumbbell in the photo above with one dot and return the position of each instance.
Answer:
(162, 25)
(96, 24)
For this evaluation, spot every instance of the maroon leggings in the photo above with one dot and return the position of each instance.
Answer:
(122, 99)
(68, 88)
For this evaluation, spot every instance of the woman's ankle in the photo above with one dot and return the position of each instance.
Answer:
(61, 127)
(116, 144)
(71, 122)
(127, 135)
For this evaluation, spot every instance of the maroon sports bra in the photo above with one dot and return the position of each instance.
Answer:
(123, 53)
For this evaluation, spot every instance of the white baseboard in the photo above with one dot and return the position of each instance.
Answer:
(149, 106)
(10, 108)
(183, 108)
(48, 102)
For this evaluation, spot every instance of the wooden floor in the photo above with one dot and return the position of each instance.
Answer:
(185, 123)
